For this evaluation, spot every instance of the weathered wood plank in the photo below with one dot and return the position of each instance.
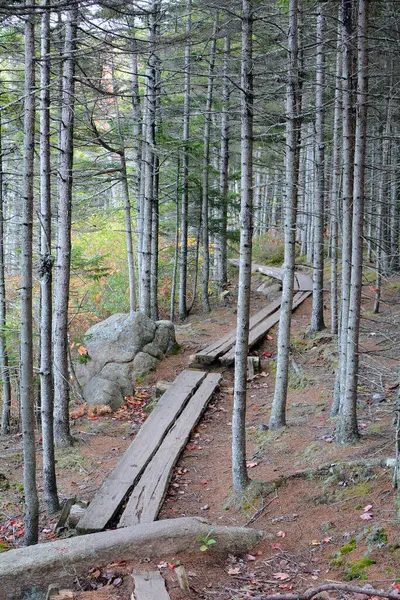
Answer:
(147, 496)
(261, 329)
(149, 585)
(221, 346)
(302, 281)
(132, 463)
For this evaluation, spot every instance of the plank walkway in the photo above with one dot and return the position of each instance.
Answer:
(302, 281)
(148, 495)
(261, 329)
(149, 585)
(131, 465)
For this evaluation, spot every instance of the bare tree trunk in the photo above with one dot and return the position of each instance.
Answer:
(239, 469)
(394, 208)
(347, 430)
(4, 372)
(347, 195)
(148, 172)
(278, 411)
(137, 140)
(63, 261)
(176, 250)
(205, 175)
(26, 383)
(154, 242)
(46, 274)
(335, 186)
(128, 230)
(317, 315)
(185, 174)
(220, 237)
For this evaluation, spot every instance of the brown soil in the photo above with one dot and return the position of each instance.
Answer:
(308, 519)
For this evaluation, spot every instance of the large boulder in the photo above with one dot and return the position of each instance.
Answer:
(121, 349)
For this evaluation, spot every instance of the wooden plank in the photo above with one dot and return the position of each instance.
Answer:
(302, 281)
(221, 346)
(147, 496)
(149, 585)
(147, 441)
(257, 333)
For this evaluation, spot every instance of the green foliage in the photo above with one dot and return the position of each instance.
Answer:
(349, 547)
(356, 569)
(206, 542)
(268, 250)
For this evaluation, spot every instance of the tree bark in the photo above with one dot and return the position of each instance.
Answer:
(278, 411)
(46, 275)
(317, 315)
(26, 382)
(63, 262)
(239, 470)
(185, 173)
(205, 174)
(4, 371)
(347, 194)
(347, 430)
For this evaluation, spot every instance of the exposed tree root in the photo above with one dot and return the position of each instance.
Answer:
(336, 587)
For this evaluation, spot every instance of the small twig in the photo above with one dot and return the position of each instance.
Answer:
(260, 511)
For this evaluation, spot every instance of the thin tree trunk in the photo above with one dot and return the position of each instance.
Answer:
(128, 231)
(148, 173)
(278, 411)
(46, 275)
(185, 174)
(335, 186)
(394, 209)
(347, 194)
(137, 141)
(347, 430)
(221, 235)
(26, 383)
(205, 175)
(317, 314)
(4, 371)
(176, 249)
(239, 469)
(63, 262)
(154, 242)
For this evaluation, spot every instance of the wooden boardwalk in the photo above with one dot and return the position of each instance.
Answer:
(302, 281)
(167, 428)
(149, 585)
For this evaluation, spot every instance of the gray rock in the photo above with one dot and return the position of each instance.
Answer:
(103, 391)
(121, 374)
(122, 347)
(143, 363)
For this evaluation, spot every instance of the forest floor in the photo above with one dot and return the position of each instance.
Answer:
(332, 528)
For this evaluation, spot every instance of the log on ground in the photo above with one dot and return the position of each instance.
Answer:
(24, 569)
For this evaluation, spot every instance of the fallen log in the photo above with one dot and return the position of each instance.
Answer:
(24, 569)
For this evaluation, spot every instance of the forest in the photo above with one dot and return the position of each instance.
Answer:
(200, 199)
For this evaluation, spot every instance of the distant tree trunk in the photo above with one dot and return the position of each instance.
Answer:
(220, 237)
(128, 231)
(347, 430)
(347, 193)
(278, 411)
(63, 262)
(4, 372)
(317, 315)
(46, 273)
(185, 174)
(154, 241)
(239, 469)
(205, 175)
(148, 173)
(137, 140)
(335, 187)
(176, 249)
(26, 351)
(394, 208)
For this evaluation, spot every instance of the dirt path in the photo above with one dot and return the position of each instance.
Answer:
(309, 520)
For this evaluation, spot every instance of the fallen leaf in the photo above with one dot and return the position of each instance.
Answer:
(267, 354)
(251, 465)
(367, 508)
(276, 546)
(366, 516)
(234, 571)
(205, 507)
(281, 576)
(327, 540)
(315, 543)
(204, 481)
(250, 557)
(83, 351)
(281, 534)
